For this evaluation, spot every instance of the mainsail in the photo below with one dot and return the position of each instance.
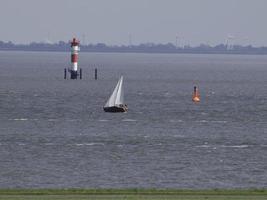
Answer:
(116, 97)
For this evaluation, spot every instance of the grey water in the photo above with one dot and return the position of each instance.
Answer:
(55, 134)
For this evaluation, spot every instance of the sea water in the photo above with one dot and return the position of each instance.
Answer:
(55, 134)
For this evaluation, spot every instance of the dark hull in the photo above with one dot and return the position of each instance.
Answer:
(115, 109)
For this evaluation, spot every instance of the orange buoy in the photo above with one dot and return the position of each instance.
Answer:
(196, 96)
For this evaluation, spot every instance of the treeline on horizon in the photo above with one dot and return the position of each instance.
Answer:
(62, 46)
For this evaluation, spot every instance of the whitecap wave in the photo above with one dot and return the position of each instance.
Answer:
(176, 121)
(207, 121)
(20, 119)
(49, 144)
(89, 144)
(129, 120)
(235, 146)
(52, 120)
(222, 146)
(103, 120)
(167, 94)
(223, 122)
(202, 121)
(179, 136)
(94, 144)
(203, 146)
(73, 120)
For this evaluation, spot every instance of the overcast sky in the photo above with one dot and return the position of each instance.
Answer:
(116, 21)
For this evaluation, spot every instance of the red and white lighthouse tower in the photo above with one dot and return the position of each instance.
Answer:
(74, 60)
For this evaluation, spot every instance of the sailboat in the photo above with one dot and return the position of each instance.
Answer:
(115, 102)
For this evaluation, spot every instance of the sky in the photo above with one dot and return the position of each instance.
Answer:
(117, 22)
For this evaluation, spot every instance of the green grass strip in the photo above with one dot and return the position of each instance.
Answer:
(132, 192)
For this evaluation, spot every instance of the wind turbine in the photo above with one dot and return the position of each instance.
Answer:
(83, 39)
(230, 42)
(130, 40)
(246, 41)
(179, 42)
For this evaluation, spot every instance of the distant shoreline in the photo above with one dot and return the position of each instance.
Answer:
(138, 52)
(141, 48)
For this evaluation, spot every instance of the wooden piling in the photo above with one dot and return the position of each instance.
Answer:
(95, 73)
(65, 73)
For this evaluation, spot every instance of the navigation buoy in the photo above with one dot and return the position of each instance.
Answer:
(196, 96)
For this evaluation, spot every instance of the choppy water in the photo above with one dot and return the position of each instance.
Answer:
(54, 133)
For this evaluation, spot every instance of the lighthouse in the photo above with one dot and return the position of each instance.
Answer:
(73, 70)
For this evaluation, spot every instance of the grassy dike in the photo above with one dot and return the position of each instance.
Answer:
(131, 194)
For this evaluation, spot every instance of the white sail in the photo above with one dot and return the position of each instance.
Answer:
(116, 97)
(120, 93)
